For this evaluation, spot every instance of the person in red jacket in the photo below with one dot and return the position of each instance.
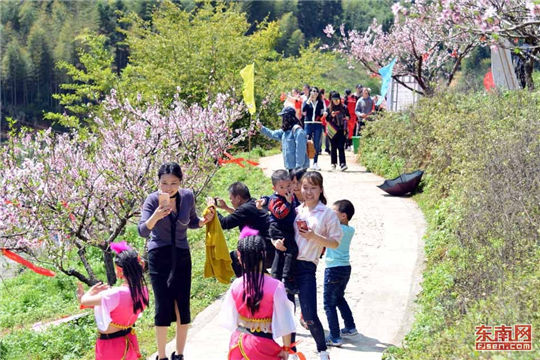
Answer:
(350, 103)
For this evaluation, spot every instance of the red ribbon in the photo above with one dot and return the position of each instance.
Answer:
(289, 349)
(28, 264)
(237, 161)
(254, 163)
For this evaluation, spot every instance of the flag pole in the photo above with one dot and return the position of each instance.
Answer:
(249, 136)
(248, 92)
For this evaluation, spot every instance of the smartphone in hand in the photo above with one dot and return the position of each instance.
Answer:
(163, 200)
(302, 225)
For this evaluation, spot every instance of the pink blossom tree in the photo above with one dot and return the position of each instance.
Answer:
(427, 49)
(63, 194)
(513, 24)
(431, 38)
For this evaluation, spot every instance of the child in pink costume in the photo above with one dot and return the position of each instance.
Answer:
(116, 309)
(256, 308)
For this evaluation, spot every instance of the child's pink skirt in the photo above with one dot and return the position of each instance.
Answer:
(246, 346)
(120, 348)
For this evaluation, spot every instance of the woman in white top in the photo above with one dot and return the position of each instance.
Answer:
(316, 227)
(312, 111)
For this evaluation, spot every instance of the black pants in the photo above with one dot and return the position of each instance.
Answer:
(338, 144)
(283, 265)
(326, 143)
(159, 263)
(359, 126)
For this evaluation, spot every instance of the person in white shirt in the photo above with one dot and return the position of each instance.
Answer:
(316, 227)
(312, 111)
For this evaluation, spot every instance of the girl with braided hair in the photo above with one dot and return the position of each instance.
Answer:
(256, 308)
(116, 309)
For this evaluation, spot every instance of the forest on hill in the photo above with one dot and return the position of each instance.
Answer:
(61, 56)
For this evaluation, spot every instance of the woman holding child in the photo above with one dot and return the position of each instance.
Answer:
(166, 216)
(316, 227)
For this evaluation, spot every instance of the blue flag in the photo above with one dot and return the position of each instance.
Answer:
(386, 74)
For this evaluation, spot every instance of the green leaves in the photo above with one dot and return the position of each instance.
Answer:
(200, 52)
(90, 84)
(481, 157)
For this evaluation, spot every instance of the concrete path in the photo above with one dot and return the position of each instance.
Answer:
(386, 259)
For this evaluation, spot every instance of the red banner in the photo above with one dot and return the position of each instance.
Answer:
(28, 264)
(237, 161)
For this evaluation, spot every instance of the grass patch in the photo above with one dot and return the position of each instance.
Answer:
(29, 298)
(481, 196)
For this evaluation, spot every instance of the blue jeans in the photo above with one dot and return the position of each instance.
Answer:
(307, 286)
(314, 131)
(335, 282)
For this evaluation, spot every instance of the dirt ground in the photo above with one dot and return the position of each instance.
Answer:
(386, 259)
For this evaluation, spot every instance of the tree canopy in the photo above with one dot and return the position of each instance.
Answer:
(34, 67)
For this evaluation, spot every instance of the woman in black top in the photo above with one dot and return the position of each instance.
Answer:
(337, 117)
(165, 217)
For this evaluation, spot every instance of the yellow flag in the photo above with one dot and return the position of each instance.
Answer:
(248, 74)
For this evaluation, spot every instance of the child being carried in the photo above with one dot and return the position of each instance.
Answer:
(282, 216)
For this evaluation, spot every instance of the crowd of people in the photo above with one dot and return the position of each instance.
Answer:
(283, 236)
(277, 262)
(309, 113)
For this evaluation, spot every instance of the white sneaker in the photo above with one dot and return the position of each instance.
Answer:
(316, 167)
(333, 166)
(324, 355)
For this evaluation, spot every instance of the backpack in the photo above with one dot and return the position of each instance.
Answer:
(310, 145)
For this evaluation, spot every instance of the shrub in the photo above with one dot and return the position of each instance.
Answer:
(481, 154)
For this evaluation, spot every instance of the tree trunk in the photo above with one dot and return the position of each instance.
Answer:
(78, 275)
(529, 68)
(82, 255)
(109, 266)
